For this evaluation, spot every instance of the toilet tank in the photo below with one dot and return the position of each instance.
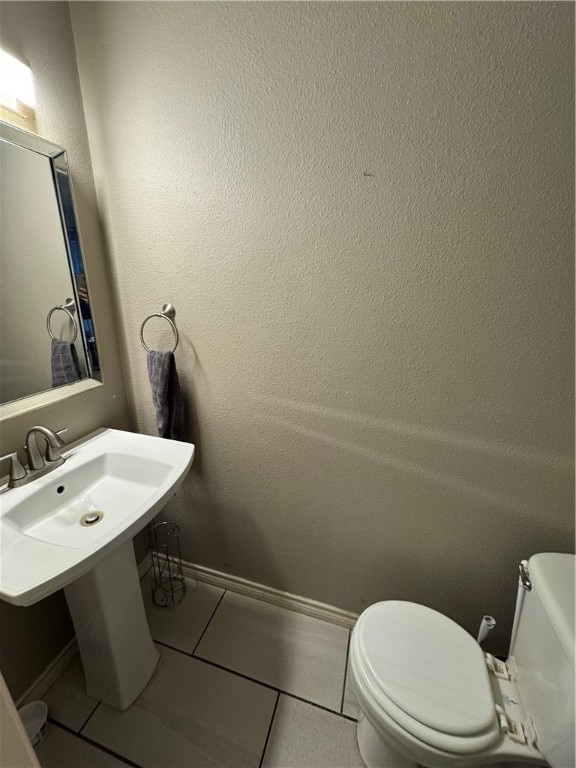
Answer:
(542, 654)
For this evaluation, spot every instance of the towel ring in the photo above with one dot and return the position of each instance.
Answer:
(69, 307)
(168, 312)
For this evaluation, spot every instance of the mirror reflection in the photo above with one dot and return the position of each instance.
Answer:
(46, 331)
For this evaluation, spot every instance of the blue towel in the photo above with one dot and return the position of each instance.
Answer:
(166, 394)
(64, 362)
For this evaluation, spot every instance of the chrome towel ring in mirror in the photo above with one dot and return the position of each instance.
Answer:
(168, 312)
(70, 308)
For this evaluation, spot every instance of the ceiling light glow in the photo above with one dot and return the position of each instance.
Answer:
(16, 82)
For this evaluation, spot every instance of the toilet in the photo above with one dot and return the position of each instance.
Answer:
(430, 696)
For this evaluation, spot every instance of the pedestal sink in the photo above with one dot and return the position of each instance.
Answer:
(72, 529)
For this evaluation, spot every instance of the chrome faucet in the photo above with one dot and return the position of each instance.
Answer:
(38, 465)
(53, 444)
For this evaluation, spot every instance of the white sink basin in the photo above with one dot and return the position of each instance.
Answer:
(126, 478)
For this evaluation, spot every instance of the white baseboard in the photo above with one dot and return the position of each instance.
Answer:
(271, 595)
(49, 676)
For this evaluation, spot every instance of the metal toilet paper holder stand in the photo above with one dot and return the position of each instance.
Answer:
(167, 583)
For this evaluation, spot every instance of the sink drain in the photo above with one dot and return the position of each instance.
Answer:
(91, 518)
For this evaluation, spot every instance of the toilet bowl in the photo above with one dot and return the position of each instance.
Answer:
(430, 696)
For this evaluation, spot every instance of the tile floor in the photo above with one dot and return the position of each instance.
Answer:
(239, 683)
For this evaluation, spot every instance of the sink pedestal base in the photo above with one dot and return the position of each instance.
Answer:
(117, 651)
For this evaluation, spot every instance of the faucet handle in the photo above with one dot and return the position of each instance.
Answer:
(52, 452)
(17, 471)
(53, 440)
(61, 432)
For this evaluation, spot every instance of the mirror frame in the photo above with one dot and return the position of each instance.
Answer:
(69, 221)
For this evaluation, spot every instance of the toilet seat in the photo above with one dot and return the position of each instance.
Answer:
(446, 703)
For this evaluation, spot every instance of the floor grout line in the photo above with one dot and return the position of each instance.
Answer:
(255, 680)
(193, 654)
(272, 687)
(93, 743)
(89, 716)
(219, 666)
(345, 673)
(209, 622)
(269, 730)
(319, 706)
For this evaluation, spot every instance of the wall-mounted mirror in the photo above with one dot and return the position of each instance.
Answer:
(47, 335)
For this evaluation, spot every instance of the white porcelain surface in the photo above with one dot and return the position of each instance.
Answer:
(295, 653)
(304, 736)
(542, 655)
(386, 731)
(113, 636)
(181, 626)
(552, 575)
(61, 749)
(377, 751)
(67, 699)
(127, 476)
(426, 671)
(191, 715)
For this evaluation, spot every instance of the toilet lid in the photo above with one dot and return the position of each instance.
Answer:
(428, 666)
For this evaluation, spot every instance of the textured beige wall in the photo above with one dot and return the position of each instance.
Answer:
(363, 215)
(41, 33)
